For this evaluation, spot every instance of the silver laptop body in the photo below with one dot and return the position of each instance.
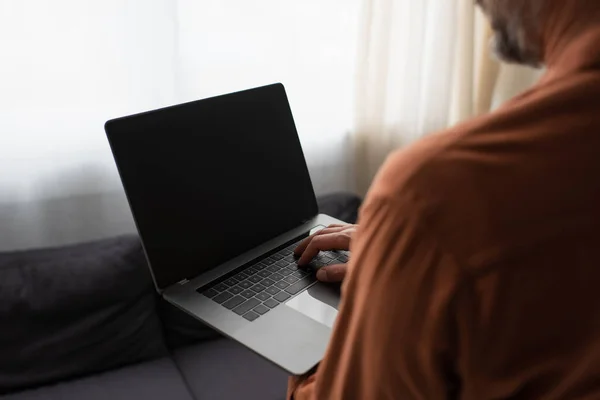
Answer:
(221, 195)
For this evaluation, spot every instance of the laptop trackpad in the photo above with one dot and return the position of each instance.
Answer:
(320, 302)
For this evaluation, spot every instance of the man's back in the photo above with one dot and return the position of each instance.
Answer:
(514, 199)
(476, 269)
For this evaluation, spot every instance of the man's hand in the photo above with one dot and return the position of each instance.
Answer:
(334, 237)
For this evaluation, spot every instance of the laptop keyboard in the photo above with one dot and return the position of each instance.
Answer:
(255, 289)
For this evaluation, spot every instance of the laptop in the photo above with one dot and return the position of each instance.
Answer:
(221, 195)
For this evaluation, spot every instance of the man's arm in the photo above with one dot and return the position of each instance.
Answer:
(393, 335)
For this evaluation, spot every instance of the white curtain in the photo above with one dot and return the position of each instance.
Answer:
(66, 66)
(363, 77)
(423, 66)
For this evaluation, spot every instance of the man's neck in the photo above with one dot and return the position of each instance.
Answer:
(568, 23)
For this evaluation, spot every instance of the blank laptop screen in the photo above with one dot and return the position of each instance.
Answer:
(209, 180)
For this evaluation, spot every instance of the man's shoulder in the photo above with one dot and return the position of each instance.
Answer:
(478, 186)
(424, 168)
(449, 181)
(466, 155)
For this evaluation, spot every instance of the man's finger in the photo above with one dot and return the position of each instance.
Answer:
(329, 241)
(304, 244)
(332, 273)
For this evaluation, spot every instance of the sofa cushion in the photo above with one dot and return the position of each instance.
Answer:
(158, 379)
(75, 310)
(223, 369)
(343, 206)
(181, 329)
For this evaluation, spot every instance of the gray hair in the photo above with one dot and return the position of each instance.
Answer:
(518, 30)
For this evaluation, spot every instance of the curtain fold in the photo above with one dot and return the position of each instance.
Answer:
(423, 66)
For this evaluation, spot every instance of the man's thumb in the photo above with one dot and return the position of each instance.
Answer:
(332, 273)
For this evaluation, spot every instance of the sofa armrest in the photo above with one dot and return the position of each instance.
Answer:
(75, 310)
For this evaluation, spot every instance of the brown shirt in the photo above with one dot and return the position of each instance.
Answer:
(475, 272)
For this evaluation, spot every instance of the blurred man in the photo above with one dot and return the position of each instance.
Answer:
(475, 268)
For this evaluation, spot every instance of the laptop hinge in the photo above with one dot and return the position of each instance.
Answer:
(183, 281)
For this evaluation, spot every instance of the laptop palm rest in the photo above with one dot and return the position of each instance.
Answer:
(320, 302)
(287, 338)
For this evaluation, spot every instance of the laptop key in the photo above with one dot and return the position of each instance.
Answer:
(241, 276)
(290, 279)
(269, 261)
(248, 293)
(234, 302)
(271, 303)
(245, 284)
(230, 282)
(282, 263)
(268, 282)
(236, 290)
(264, 273)
(262, 296)
(258, 288)
(272, 290)
(219, 287)
(277, 256)
(292, 267)
(255, 279)
(342, 258)
(251, 316)
(282, 284)
(301, 284)
(222, 297)
(210, 293)
(276, 277)
(247, 306)
(325, 257)
(281, 296)
(259, 266)
(299, 274)
(261, 309)
(251, 271)
(285, 272)
(273, 268)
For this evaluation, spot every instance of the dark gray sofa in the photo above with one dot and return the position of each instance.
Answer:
(84, 322)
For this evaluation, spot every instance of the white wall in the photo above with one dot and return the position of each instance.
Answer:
(67, 66)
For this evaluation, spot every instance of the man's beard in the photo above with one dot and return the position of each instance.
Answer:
(509, 44)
